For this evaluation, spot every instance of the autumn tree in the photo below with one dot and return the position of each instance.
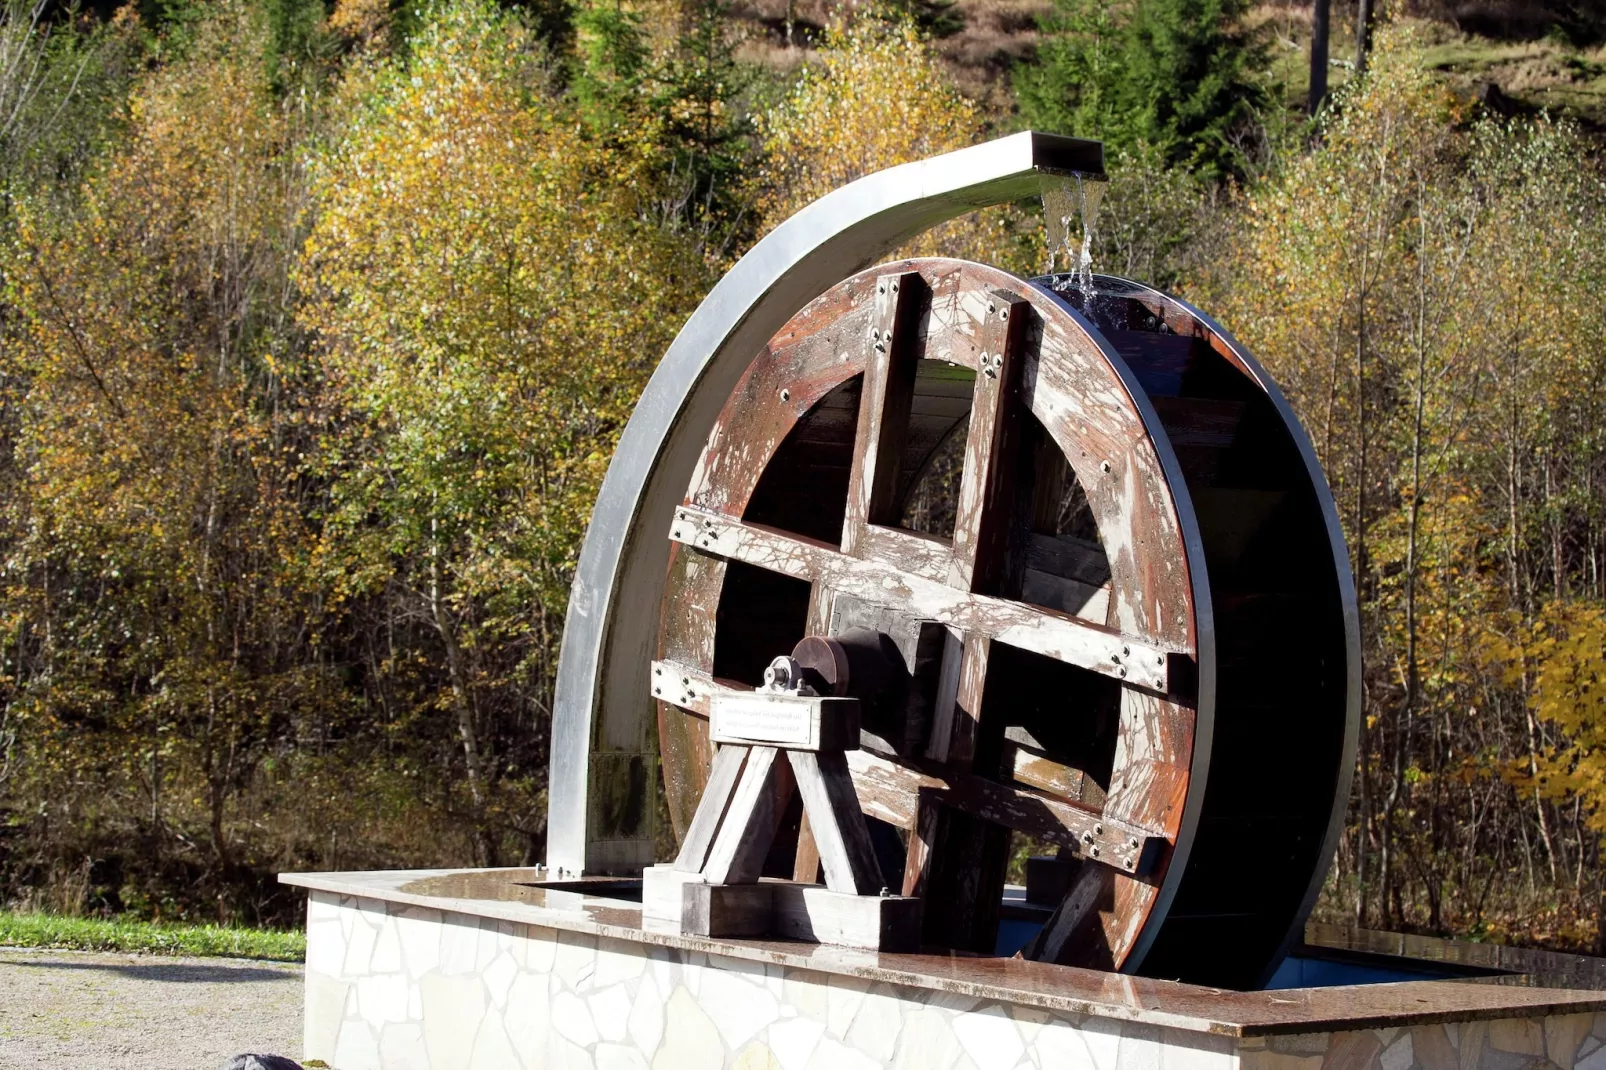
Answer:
(155, 619)
(489, 290)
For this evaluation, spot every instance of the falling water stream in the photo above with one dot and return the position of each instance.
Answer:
(1067, 199)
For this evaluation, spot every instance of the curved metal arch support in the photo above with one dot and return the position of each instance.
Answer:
(600, 812)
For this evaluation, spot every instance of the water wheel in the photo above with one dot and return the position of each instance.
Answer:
(1096, 569)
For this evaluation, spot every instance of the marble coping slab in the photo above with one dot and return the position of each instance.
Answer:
(518, 896)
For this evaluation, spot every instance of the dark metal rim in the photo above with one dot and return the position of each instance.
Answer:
(1346, 592)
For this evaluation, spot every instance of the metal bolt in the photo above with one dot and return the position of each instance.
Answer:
(786, 395)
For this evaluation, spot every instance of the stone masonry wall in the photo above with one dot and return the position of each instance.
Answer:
(403, 988)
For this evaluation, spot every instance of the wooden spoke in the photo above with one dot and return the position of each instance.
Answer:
(895, 791)
(1034, 769)
(1055, 635)
(889, 381)
(986, 489)
(923, 829)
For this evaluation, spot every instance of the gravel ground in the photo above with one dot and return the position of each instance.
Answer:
(64, 1010)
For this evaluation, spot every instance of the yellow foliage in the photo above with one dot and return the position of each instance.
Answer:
(1564, 652)
(877, 97)
(488, 302)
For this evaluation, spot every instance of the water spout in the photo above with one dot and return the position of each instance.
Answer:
(1068, 199)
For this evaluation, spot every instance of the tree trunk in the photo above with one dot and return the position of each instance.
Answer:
(1321, 11)
(1363, 35)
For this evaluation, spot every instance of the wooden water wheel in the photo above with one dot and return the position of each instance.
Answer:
(1101, 569)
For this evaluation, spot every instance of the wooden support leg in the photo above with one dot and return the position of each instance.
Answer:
(737, 854)
(1075, 922)
(807, 868)
(846, 854)
(965, 883)
(711, 810)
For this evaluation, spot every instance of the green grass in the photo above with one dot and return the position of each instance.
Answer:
(162, 938)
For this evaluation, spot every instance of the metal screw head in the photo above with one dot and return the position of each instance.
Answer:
(1133, 843)
(894, 287)
(1104, 466)
(676, 533)
(1126, 651)
(1004, 314)
(657, 690)
(1087, 837)
(786, 395)
(1098, 830)
(1095, 852)
(659, 671)
(991, 308)
(880, 289)
(1123, 672)
(1131, 864)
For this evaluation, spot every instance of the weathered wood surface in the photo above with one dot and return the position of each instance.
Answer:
(728, 910)
(893, 789)
(879, 923)
(711, 810)
(1059, 636)
(984, 518)
(737, 854)
(889, 378)
(840, 838)
(1145, 602)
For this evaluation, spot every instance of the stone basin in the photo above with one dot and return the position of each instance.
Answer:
(509, 968)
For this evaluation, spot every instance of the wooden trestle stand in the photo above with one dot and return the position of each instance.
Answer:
(715, 888)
